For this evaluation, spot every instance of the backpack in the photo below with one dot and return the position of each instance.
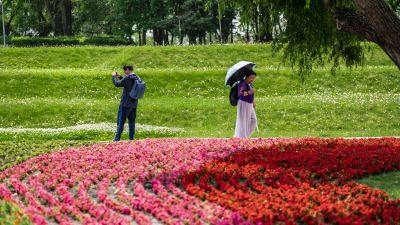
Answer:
(233, 95)
(138, 89)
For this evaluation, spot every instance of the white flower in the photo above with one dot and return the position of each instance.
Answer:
(91, 127)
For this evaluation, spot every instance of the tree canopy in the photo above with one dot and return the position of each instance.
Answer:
(310, 32)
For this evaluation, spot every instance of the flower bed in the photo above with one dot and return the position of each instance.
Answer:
(212, 181)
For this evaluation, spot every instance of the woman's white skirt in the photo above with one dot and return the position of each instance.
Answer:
(246, 120)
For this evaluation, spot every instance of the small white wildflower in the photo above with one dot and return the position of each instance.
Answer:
(93, 127)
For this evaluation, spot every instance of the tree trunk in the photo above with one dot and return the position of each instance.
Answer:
(44, 28)
(12, 16)
(220, 22)
(232, 31)
(257, 37)
(140, 38)
(154, 36)
(158, 35)
(66, 17)
(373, 21)
(247, 33)
(144, 37)
(166, 37)
(53, 8)
(8, 26)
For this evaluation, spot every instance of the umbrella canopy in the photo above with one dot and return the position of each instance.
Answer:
(237, 72)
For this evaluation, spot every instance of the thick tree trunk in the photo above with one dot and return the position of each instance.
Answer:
(66, 17)
(373, 21)
(54, 15)
(158, 35)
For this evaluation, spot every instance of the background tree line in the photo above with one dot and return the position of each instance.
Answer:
(168, 21)
(308, 31)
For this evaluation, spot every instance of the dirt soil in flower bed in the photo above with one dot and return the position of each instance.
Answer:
(207, 181)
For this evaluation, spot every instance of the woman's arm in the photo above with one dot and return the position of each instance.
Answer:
(242, 90)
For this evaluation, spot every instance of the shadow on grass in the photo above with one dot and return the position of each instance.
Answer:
(389, 182)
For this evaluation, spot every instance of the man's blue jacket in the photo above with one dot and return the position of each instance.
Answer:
(127, 83)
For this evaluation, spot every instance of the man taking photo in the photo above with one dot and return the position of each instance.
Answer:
(128, 105)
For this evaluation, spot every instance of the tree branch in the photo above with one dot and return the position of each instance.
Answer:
(382, 19)
(355, 23)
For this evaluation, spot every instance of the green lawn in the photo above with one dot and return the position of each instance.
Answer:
(389, 182)
(65, 86)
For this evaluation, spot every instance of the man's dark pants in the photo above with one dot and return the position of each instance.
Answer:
(124, 113)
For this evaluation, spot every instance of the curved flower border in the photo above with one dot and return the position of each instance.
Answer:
(206, 181)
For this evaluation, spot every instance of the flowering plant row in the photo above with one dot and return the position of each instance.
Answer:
(301, 182)
(206, 181)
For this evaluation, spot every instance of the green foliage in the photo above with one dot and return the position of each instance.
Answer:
(318, 37)
(68, 41)
(11, 215)
(43, 41)
(92, 16)
(104, 40)
(395, 5)
(14, 152)
(8, 40)
(195, 20)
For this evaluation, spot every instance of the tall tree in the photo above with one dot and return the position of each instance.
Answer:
(92, 16)
(158, 13)
(12, 8)
(176, 12)
(60, 15)
(125, 16)
(196, 21)
(222, 14)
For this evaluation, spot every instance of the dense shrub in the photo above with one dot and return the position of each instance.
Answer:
(7, 40)
(43, 41)
(67, 41)
(104, 40)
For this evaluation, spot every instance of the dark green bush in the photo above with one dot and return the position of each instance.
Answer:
(105, 40)
(7, 40)
(67, 41)
(43, 41)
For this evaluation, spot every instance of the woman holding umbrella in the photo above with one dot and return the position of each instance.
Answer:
(246, 120)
